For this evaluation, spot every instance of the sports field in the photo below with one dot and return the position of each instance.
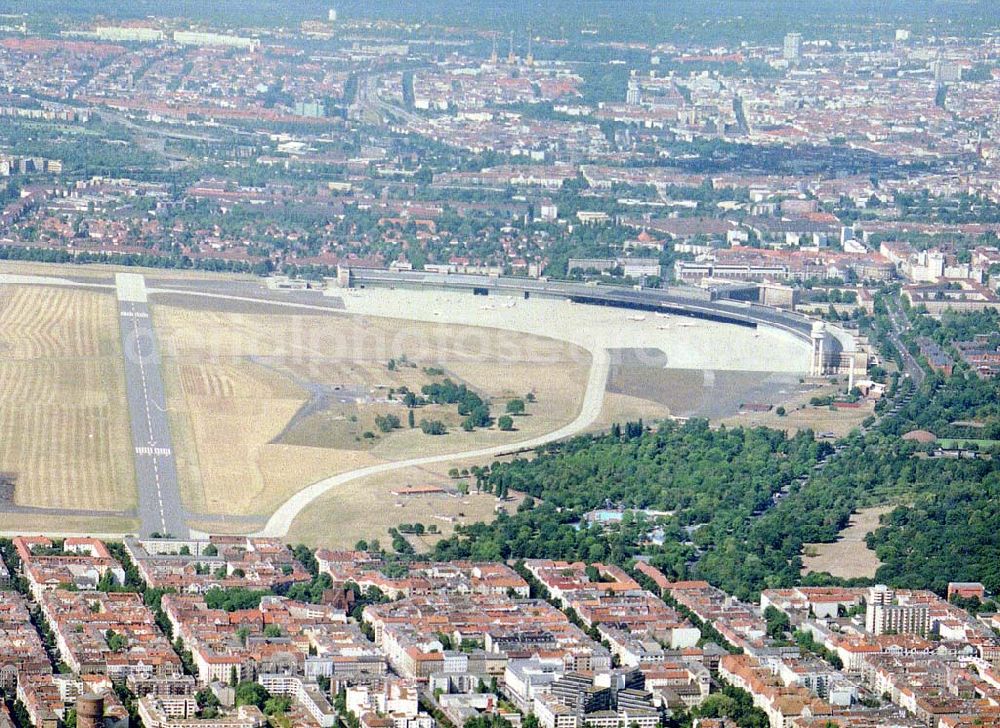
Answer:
(64, 431)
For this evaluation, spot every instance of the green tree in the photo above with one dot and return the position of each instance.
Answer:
(251, 693)
(115, 641)
(206, 698)
(433, 427)
(515, 407)
(107, 582)
(778, 624)
(278, 705)
(233, 600)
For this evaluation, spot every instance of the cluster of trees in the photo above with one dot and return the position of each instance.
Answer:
(778, 623)
(944, 401)
(312, 592)
(949, 531)
(233, 599)
(399, 543)
(417, 529)
(728, 523)
(433, 427)
(712, 481)
(208, 704)
(448, 392)
(116, 642)
(964, 326)
(960, 209)
(151, 260)
(471, 406)
(833, 295)
(729, 703)
(86, 154)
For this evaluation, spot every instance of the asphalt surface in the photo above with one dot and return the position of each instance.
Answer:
(899, 323)
(671, 300)
(160, 507)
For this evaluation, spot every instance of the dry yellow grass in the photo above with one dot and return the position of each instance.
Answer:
(106, 271)
(367, 508)
(223, 417)
(849, 556)
(235, 380)
(64, 431)
(16, 523)
(800, 415)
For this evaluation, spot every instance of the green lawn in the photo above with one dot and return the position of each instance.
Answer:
(961, 443)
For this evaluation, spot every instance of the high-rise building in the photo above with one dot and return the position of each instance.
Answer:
(946, 71)
(578, 693)
(793, 47)
(884, 613)
(633, 95)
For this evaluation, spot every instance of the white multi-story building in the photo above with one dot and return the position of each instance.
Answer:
(792, 50)
(884, 614)
(306, 694)
(525, 679)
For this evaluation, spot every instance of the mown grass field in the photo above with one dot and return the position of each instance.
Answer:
(64, 430)
(367, 508)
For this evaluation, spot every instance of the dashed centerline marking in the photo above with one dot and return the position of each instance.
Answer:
(151, 449)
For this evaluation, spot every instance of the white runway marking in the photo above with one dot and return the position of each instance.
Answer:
(131, 287)
(154, 451)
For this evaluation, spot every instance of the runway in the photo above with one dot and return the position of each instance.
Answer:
(160, 507)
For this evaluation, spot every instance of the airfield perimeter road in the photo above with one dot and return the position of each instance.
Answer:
(593, 399)
(160, 507)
